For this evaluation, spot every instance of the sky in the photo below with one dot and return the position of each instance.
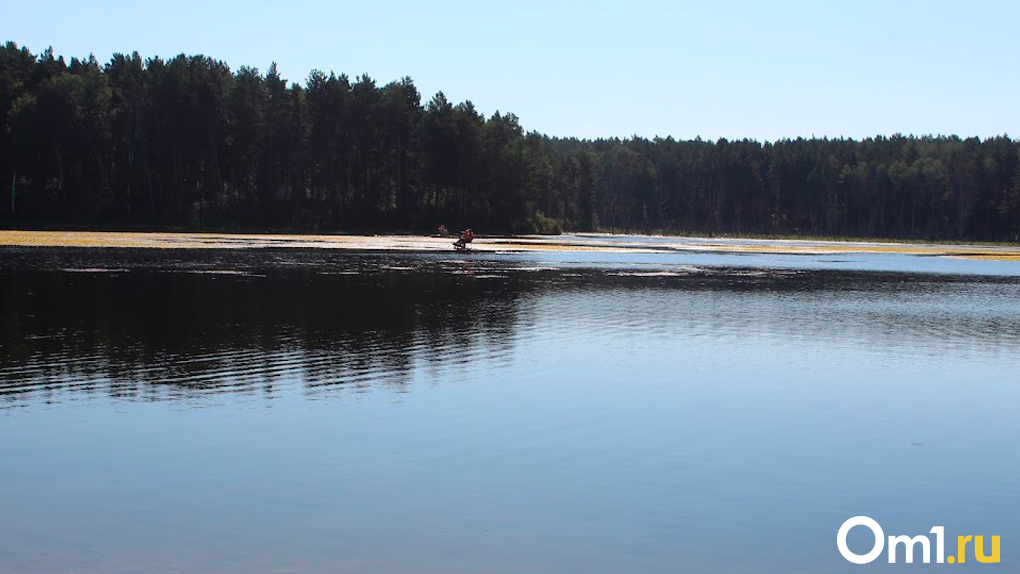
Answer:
(709, 69)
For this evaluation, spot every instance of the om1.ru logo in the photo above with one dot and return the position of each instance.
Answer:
(910, 543)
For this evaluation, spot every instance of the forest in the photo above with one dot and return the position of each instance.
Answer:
(189, 143)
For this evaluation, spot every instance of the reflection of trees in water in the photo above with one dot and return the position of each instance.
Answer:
(166, 329)
(149, 334)
(885, 313)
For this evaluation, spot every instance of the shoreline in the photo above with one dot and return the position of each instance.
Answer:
(596, 242)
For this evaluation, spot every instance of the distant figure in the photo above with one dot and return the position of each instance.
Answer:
(443, 232)
(466, 236)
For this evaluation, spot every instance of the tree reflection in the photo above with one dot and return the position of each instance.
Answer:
(151, 333)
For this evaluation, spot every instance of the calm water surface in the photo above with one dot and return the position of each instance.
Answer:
(286, 411)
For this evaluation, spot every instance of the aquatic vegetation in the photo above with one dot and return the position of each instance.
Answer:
(603, 244)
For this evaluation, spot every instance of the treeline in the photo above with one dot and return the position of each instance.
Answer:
(189, 142)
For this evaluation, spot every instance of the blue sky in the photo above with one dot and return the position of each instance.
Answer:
(734, 69)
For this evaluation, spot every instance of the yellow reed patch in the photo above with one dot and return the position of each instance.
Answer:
(170, 240)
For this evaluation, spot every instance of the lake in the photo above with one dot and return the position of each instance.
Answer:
(267, 410)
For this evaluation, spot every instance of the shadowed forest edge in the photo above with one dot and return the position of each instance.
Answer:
(189, 142)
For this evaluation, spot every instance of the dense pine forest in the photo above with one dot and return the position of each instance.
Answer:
(188, 142)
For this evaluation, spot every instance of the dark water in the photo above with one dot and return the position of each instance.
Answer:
(270, 411)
